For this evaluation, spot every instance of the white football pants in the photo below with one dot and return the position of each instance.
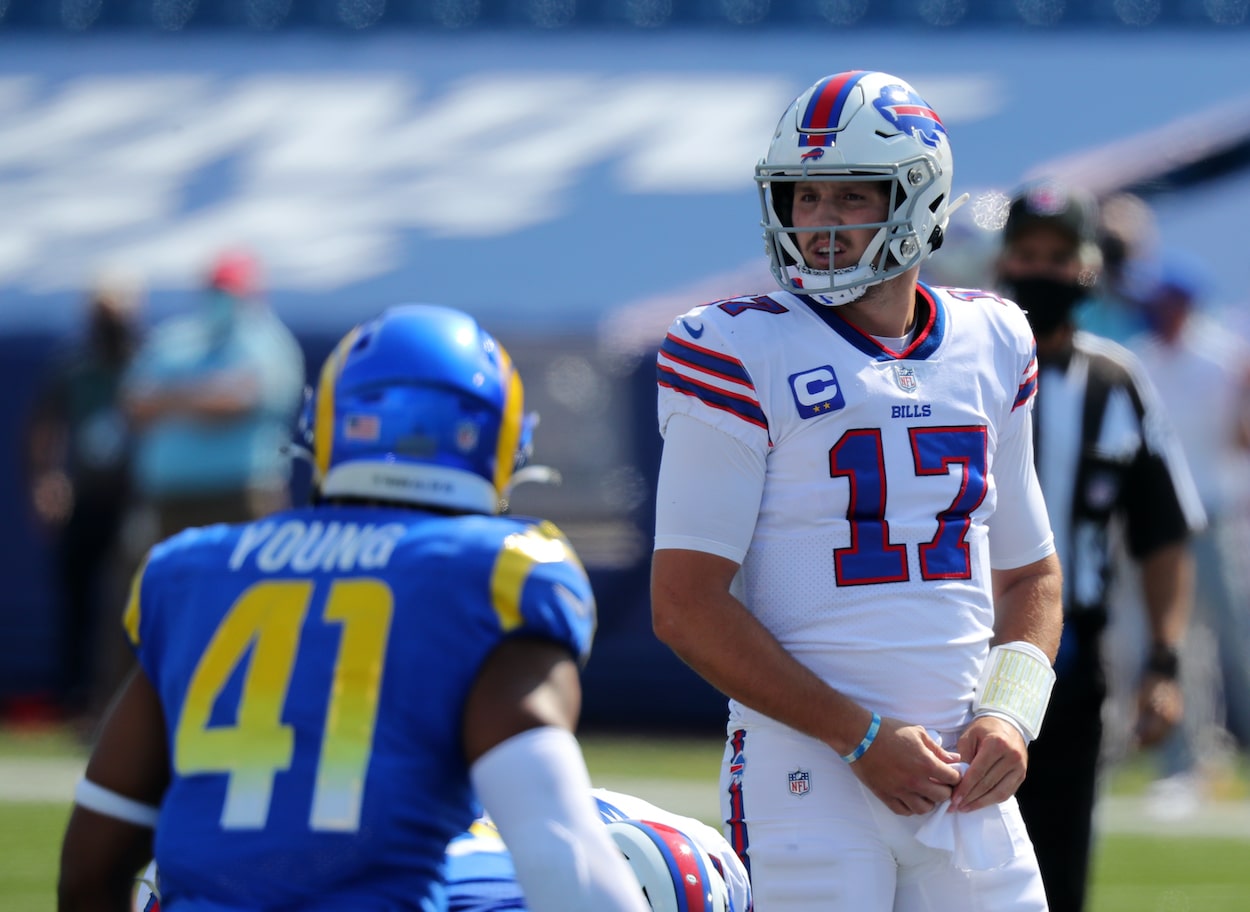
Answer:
(814, 839)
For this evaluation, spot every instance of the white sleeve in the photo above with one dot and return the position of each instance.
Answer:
(111, 804)
(709, 490)
(536, 789)
(1020, 526)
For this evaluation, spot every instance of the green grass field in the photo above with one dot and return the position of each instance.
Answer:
(1132, 872)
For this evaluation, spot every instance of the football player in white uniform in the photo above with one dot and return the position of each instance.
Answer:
(850, 540)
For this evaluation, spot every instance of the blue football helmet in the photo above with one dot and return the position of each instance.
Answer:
(675, 874)
(420, 406)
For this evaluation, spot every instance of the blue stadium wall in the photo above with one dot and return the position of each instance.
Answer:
(574, 185)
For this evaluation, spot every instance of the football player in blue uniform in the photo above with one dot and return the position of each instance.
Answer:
(680, 864)
(321, 694)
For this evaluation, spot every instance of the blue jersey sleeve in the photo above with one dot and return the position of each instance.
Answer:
(539, 587)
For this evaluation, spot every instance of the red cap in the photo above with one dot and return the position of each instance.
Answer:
(236, 273)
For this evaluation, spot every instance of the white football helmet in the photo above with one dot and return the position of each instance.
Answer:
(146, 896)
(674, 873)
(858, 126)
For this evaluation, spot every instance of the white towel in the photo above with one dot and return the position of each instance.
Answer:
(977, 840)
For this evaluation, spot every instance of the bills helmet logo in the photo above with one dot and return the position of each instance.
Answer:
(910, 113)
(812, 154)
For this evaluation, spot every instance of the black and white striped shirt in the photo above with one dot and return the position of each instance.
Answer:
(1105, 450)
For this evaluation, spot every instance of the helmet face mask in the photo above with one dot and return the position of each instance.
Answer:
(788, 244)
(419, 406)
(857, 126)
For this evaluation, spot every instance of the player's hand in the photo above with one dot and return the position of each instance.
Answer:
(1159, 708)
(909, 771)
(997, 757)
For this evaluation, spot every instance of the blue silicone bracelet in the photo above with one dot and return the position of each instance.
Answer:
(873, 727)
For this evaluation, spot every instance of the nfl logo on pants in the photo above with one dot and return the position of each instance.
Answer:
(800, 782)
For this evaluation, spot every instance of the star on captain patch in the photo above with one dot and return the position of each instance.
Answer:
(905, 377)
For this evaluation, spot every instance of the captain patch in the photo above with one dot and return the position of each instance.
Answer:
(816, 391)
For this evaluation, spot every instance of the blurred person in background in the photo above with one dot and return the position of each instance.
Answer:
(1107, 461)
(78, 451)
(1202, 373)
(1127, 236)
(212, 396)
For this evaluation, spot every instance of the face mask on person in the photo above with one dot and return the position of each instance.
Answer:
(1047, 303)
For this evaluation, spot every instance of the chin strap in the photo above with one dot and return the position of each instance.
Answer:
(832, 298)
(957, 203)
(530, 474)
(838, 298)
(533, 474)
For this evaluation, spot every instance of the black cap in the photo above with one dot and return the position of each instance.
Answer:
(1049, 202)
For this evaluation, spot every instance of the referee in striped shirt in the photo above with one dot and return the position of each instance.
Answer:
(1106, 458)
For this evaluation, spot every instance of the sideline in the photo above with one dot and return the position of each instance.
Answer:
(29, 780)
(1115, 814)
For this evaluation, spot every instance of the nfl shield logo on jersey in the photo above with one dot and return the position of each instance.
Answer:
(800, 782)
(905, 377)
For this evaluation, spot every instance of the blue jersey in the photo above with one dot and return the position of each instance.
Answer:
(313, 668)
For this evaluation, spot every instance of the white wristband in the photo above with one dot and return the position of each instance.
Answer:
(107, 802)
(1015, 684)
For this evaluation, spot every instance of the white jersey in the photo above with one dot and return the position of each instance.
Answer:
(883, 471)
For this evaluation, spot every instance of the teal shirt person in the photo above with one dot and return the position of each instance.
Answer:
(1110, 317)
(213, 394)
